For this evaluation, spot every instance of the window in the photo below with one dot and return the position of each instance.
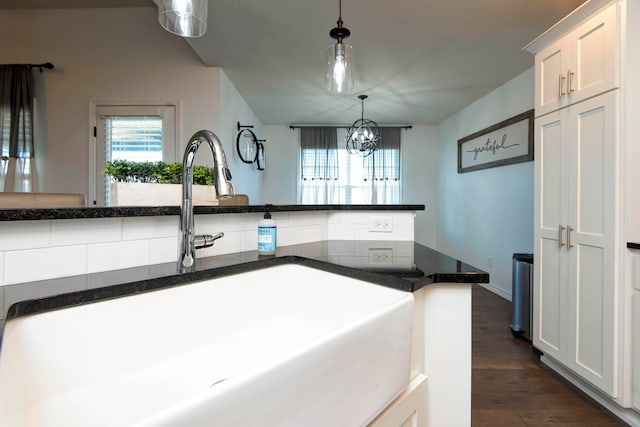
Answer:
(135, 133)
(16, 129)
(135, 138)
(330, 175)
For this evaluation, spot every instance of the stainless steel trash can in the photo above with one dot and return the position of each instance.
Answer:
(522, 295)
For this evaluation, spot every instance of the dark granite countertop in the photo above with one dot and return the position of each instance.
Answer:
(409, 267)
(127, 211)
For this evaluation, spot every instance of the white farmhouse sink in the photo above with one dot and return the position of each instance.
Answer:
(281, 346)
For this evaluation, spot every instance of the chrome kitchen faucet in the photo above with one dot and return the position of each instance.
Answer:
(189, 242)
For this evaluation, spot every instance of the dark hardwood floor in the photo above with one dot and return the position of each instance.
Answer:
(511, 387)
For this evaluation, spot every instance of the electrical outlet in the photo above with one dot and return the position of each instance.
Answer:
(382, 224)
(381, 256)
(490, 262)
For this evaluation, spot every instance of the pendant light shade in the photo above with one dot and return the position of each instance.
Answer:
(186, 18)
(339, 76)
(363, 135)
(339, 72)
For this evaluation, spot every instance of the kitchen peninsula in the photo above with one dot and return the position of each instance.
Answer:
(90, 254)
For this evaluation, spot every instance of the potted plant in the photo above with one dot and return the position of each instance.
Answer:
(156, 183)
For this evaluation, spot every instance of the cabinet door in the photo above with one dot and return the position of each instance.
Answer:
(591, 239)
(594, 60)
(582, 64)
(575, 279)
(550, 77)
(550, 273)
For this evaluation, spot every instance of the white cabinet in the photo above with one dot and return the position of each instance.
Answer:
(582, 64)
(575, 282)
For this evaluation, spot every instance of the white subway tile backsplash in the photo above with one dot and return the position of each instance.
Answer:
(402, 232)
(350, 217)
(307, 218)
(95, 245)
(230, 243)
(18, 235)
(362, 232)
(163, 250)
(341, 232)
(282, 219)
(117, 255)
(240, 222)
(311, 234)
(150, 227)
(39, 264)
(286, 236)
(249, 239)
(209, 224)
(66, 232)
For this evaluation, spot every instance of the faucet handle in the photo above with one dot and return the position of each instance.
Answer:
(206, 240)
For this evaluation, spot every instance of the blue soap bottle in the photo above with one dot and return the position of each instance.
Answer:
(267, 235)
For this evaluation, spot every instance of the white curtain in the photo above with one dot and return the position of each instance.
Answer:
(382, 170)
(16, 128)
(17, 174)
(319, 166)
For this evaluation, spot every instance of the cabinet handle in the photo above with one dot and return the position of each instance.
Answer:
(561, 79)
(560, 231)
(570, 75)
(569, 230)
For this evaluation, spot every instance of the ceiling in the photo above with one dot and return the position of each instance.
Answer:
(418, 60)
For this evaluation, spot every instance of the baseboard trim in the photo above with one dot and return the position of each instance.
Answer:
(497, 290)
(625, 414)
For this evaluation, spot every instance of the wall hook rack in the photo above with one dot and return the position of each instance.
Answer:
(240, 127)
(246, 143)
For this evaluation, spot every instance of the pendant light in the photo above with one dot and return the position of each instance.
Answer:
(186, 18)
(363, 135)
(339, 71)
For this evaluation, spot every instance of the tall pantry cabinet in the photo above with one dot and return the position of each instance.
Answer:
(580, 291)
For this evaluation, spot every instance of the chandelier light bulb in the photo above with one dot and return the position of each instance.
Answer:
(339, 68)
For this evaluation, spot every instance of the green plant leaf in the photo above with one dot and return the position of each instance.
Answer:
(159, 172)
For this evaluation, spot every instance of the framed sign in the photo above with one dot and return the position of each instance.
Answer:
(505, 143)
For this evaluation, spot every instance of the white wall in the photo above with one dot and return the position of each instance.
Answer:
(113, 56)
(486, 213)
(247, 179)
(419, 165)
(279, 185)
(419, 179)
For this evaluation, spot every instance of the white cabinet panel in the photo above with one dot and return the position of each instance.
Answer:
(590, 311)
(575, 282)
(580, 65)
(549, 157)
(547, 303)
(550, 77)
(595, 55)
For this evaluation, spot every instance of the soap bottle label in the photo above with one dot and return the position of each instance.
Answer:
(267, 239)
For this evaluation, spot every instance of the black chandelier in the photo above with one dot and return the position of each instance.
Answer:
(363, 135)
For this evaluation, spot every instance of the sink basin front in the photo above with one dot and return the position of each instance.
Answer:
(288, 345)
